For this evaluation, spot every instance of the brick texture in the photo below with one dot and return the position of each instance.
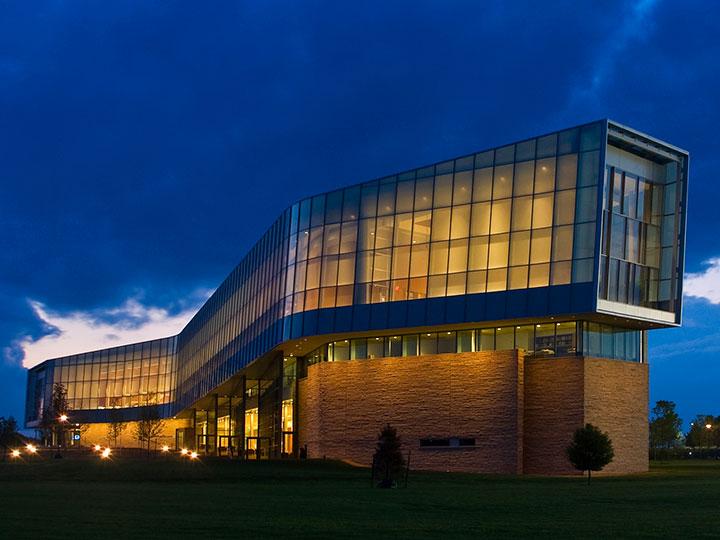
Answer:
(616, 401)
(344, 405)
(522, 413)
(554, 393)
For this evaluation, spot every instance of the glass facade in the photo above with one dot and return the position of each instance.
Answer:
(642, 228)
(574, 224)
(137, 375)
(569, 338)
(518, 217)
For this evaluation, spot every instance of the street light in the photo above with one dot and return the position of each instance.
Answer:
(165, 448)
(184, 452)
(708, 426)
(63, 418)
(105, 453)
(97, 448)
(15, 453)
(30, 448)
(193, 455)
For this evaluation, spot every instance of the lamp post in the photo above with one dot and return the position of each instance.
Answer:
(708, 434)
(62, 419)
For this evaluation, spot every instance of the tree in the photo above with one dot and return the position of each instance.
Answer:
(700, 435)
(8, 434)
(665, 426)
(388, 459)
(114, 430)
(116, 426)
(591, 449)
(150, 426)
(50, 424)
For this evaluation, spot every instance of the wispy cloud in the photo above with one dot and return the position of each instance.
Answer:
(80, 331)
(705, 284)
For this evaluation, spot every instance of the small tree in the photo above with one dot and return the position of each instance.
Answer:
(150, 426)
(116, 427)
(665, 426)
(388, 459)
(701, 435)
(8, 434)
(591, 449)
(50, 425)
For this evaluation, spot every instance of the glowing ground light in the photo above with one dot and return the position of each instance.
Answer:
(184, 451)
(30, 448)
(165, 448)
(97, 448)
(105, 453)
(193, 455)
(708, 426)
(15, 453)
(63, 417)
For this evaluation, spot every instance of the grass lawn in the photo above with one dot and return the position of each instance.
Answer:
(135, 498)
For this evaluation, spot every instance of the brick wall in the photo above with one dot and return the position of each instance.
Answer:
(565, 393)
(554, 393)
(522, 413)
(345, 404)
(616, 401)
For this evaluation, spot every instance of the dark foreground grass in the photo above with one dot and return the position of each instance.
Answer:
(124, 498)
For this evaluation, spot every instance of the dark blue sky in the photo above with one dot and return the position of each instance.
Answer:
(144, 146)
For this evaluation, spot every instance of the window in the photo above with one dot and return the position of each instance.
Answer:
(519, 248)
(566, 171)
(565, 207)
(545, 175)
(480, 219)
(458, 256)
(393, 346)
(502, 182)
(421, 227)
(500, 217)
(405, 195)
(403, 229)
(428, 343)
(462, 188)
(542, 211)
(441, 224)
(482, 184)
(523, 182)
(498, 251)
(478, 256)
(460, 222)
(521, 213)
(465, 341)
(423, 194)
(443, 190)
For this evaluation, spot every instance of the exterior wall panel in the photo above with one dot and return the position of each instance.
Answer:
(478, 395)
(521, 412)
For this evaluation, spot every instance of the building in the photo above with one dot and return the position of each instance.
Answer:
(485, 306)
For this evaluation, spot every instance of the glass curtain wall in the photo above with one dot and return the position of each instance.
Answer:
(121, 377)
(537, 340)
(639, 264)
(512, 218)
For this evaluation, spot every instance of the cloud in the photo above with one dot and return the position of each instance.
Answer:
(705, 284)
(634, 26)
(81, 331)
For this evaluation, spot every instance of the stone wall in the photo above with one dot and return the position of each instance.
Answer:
(344, 405)
(521, 413)
(554, 393)
(616, 401)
